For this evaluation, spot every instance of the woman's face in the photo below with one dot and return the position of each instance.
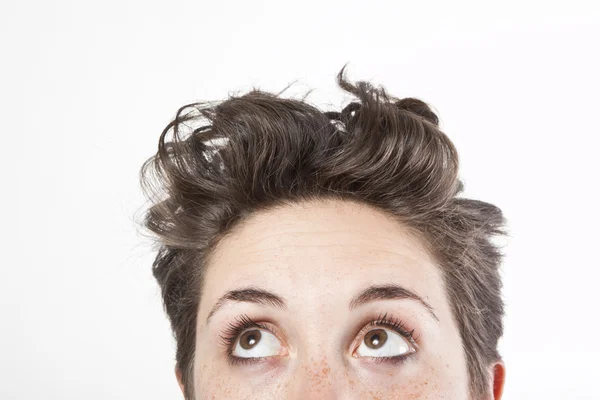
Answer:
(326, 300)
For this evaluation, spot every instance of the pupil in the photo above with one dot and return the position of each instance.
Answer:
(250, 339)
(375, 339)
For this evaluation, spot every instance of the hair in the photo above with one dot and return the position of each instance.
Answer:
(228, 160)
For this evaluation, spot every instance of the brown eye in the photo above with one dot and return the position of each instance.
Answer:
(375, 339)
(256, 343)
(383, 342)
(249, 339)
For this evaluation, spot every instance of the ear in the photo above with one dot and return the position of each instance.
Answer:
(179, 377)
(498, 376)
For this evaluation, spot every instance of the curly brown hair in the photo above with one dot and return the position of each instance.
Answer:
(227, 160)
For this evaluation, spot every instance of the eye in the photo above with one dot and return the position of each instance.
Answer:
(255, 343)
(382, 342)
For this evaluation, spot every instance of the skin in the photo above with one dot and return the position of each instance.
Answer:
(318, 256)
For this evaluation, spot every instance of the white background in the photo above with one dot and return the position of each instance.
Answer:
(87, 87)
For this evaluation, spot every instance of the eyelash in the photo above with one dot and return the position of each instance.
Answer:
(400, 327)
(234, 329)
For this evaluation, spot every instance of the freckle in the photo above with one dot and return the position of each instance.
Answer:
(375, 397)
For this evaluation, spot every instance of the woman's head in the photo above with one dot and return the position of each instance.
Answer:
(311, 254)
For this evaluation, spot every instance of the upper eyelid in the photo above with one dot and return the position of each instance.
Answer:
(408, 335)
(397, 324)
(390, 321)
(257, 325)
(232, 332)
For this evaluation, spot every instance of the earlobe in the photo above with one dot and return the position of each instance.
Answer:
(179, 377)
(499, 375)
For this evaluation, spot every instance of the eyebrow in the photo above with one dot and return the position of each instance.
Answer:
(250, 295)
(388, 292)
(368, 295)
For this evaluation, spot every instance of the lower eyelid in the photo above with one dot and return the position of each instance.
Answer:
(395, 360)
(235, 360)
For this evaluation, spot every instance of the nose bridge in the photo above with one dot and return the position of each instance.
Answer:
(319, 369)
(315, 378)
(318, 373)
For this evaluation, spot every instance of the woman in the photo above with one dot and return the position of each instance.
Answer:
(308, 254)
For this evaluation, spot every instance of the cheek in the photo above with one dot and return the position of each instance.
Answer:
(392, 386)
(216, 384)
(213, 380)
(213, 383)
(220, 382)
(221, 388)
(436, 380)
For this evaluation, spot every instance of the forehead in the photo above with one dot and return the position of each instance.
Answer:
(316, 246)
